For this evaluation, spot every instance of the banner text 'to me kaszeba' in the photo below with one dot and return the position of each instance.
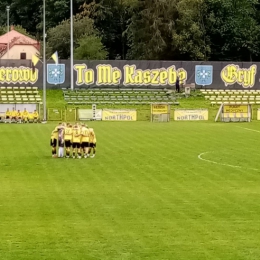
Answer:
(108, 75)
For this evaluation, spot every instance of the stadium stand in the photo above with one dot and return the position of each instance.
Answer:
(216, 96)
(121, 96)
(19, 95)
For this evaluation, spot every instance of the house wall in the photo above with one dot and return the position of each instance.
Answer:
(16, 50)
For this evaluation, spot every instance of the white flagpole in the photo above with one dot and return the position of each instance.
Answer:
(71, 46)
(44, 65)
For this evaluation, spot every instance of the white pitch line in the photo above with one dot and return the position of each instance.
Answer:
(229, 165)
(249, 129)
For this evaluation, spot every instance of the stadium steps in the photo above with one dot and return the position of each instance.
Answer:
(13, 95)
(231, 96)
(112, 96)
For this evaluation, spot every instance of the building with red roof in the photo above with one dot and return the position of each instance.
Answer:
(21, 47)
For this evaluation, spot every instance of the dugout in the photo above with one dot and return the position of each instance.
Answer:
(29, 107)
(234, 113)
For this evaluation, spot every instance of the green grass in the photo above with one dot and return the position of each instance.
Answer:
(196, 100)
(146, 195)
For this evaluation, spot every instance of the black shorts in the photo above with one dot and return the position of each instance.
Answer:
(92, 145)
(7, 117)
(84, 144)
(67, 143)
(13, 117)
(61, 143)
(53, 142)
(76, 145)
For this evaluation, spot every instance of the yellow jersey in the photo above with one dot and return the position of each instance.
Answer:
(76, 135)
(8, 113)
(53, 135)
(35, 114)
(19, 114)
(30, 116)
(56, 132)
(85, 135)
(92, 136)
(25, 114)
(14, 113)
(68, 134)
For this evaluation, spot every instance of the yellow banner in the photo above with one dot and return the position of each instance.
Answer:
(235, 109)
(190, 114)
(258, 114)
(159, 109)
(119, 115)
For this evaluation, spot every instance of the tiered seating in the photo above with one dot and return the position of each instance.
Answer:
(232, 96)
(17, 95)
(122, 96)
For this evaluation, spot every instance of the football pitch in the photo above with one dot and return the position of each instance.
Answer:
(178, 190)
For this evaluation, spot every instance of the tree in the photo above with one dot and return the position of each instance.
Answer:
(26, 13)
(168, 30)
(58, 38)
(190, 40)
(233, 29)
(111, 19)
(90, 48)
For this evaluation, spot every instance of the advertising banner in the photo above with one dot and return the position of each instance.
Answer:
(235, 108)
(258, 114)
(87, 114)
(119, 115)
(157, 109)
(133, 74)
(190, 114)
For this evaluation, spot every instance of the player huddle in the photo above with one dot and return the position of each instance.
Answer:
(78, 141)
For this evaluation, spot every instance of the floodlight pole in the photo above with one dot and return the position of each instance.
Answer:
(71, 46)
(44, 64)
(8, 28)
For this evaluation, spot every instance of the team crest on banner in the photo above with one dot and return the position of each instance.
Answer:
(55, 73)
(204, 75)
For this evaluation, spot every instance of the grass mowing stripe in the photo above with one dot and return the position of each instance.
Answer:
(145, 195)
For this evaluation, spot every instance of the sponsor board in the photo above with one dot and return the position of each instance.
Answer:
(159, 109)
(119, 115)
(190, 114)
(235, 108)
(87, 114)
(258, 114)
